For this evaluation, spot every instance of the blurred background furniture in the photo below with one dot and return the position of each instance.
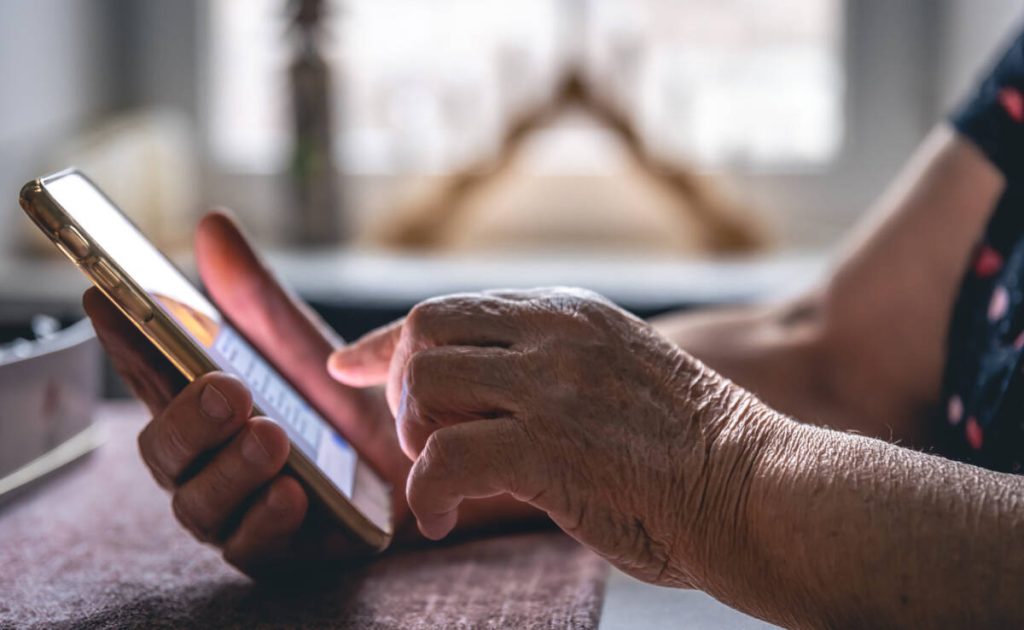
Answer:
(50, 383)
(799, 110)
(356, 290)
(662, 206)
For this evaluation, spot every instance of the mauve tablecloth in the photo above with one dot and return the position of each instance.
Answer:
(98, 547)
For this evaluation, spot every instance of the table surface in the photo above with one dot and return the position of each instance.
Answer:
(98, 545)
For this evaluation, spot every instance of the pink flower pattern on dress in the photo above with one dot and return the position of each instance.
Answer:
(1013, 103)
(974, 433)
(955, 410)
(987, 262)
(999, 303)
(981, 418)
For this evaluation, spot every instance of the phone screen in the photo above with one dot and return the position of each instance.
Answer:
(171, 291)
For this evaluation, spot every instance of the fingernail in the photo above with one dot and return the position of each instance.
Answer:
(214, 404)
(332, 362)
(434, 529)
(253, 449)
(340, 358)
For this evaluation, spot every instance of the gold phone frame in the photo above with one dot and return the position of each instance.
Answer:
(370, 493)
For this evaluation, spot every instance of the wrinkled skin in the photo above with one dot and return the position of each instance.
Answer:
(571, 404)
(557, 398)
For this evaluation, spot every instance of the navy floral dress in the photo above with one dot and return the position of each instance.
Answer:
(983, 384)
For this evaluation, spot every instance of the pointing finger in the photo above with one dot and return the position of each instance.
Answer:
(366, 362)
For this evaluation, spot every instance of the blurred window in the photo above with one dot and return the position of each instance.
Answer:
(425, 86)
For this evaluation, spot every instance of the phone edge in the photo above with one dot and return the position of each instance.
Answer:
(36, 201)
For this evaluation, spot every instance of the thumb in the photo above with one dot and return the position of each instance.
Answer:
(365, 362)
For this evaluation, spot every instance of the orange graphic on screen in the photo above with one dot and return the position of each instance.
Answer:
(201, 326)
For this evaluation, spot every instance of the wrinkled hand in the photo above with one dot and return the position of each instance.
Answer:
(223, 467)
(572, 405)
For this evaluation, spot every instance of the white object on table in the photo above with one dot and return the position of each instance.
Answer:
(48, 391)
(630, 604)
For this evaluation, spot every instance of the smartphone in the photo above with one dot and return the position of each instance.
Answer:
(192, 333)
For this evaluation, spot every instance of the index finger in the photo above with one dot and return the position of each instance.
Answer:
(464, 319)
(365, 363)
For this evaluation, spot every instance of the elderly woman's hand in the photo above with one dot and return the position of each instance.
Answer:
(569, 403)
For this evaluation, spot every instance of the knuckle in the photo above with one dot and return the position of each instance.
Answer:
(417, 371)
(189, 513)
(144, 441)
(217, 482)
(472, 303)
(417, 415)
(161, 478)
(153, 463)
(439, 456)
(419, 317)
(175, 446)
(298, 501)
(238, 553)
(591, 297)
(576, 302)
(579, 294)
(417, 427)
(421, 479)
(423, 317)
(274, 447)
(590, 309)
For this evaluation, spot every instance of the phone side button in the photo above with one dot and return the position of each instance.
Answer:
(105, 275)
(134, 303)
(73, 240)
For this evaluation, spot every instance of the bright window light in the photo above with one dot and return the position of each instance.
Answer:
(425, 86)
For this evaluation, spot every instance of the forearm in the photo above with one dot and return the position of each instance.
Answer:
(868, 354)
(842, 530)
(781, 353)
(771, 350)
